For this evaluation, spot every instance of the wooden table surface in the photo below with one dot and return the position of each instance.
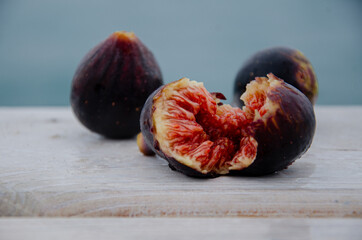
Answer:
(51, 166)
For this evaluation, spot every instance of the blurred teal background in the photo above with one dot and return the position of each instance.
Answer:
(42, 42)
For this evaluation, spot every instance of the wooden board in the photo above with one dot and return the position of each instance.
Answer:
(52, 166)
(180, 228)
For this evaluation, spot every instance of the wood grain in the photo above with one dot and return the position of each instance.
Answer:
(180, 228)
(52, 166)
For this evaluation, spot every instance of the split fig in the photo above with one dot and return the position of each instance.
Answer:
(112, 83)
(288, 64)
(201, 137)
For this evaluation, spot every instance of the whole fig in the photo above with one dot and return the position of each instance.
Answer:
(288, 64)
(112, 83)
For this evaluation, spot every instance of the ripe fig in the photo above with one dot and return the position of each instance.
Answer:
(201, 137)
(143, 147)
(112, 84)
(288, 64)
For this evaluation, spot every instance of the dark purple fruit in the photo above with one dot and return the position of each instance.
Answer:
(288, 64)
(112, 84)
(287, 125)
(143, 147)
(201, 137)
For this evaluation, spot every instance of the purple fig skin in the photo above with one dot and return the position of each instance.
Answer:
(286, 63)
(112, 83)
(177, 166)
(146, 123)
(285, 136)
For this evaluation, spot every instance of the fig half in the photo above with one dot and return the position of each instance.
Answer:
(201, 137)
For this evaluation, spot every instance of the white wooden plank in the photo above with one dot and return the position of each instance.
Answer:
(51, 166)
(180, 228)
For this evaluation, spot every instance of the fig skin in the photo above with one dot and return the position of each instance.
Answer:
(112, 83)
(285, 136)
(282, 137)
(286, 63)
(146, 124)
(179, 167)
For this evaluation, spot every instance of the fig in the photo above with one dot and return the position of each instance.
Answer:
(286, 63)
(143, 147)
(202, 137)
(112, 83)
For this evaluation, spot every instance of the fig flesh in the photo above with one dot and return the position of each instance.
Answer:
(291, 65)
(201, 137)
(112, 84)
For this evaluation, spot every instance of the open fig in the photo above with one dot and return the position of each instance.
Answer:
(286, 63)
(112, 84)
(201, 137)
